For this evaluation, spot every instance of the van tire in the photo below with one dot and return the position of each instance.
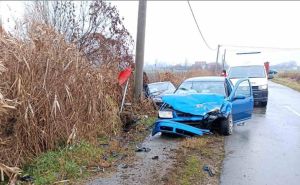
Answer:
(227, 126)
(264, 104)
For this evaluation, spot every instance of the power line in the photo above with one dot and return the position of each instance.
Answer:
(207, 45)
(260, 47)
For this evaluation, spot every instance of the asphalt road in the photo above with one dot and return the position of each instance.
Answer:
(266, 150)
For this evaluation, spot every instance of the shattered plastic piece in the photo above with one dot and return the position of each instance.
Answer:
(104, 145)
(27, 178)
(155, 157)
(241, 124)
(114, 154)
(124, 166)
(209, 170)
(143, 149)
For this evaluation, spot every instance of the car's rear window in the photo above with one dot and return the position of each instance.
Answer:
(160, 87)
(247, 72)
(205, 87)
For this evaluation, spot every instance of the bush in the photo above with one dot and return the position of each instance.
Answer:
(55, 91)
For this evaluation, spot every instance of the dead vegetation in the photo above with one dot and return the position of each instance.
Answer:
(289, 79)
(52, 89)
(193, 155)
(59, 78)
(178, 77)
(95, 28)
(11, 172)
(294, 76)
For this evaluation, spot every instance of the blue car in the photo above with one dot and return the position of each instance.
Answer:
(203, 104)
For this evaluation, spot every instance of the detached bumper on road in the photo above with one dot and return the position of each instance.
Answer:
(168, 126)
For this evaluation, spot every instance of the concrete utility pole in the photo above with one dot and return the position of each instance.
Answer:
(140, 45)
(217, 59)
(0, 22)
(224, 59)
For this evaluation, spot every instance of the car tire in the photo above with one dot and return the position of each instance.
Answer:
(227, 126)
(264, 104)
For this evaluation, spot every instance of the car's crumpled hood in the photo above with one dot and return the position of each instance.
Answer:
(196, 104)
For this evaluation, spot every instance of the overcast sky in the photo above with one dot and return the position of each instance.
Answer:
(172, 36)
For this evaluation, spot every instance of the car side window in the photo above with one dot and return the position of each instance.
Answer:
(171, 87)
(243, 89)
(228, 87)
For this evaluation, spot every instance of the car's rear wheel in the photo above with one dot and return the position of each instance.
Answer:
(227, 126)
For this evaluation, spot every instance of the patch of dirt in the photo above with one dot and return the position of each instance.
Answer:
(192, 155)
(148, 167)
(171, 161)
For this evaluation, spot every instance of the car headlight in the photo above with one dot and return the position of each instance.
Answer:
(263, 87)
(215, 110)
(156, 99)
(165, 114)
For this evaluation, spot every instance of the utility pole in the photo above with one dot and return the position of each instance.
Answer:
(140, 45)
(223, 61)
(217, 59)
(1, 29)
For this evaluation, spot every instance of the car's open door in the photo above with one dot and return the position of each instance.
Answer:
(242, 101)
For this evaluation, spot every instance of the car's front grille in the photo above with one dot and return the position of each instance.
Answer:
(166, 128)
(182, 114)
(254, 88)
(184, 132)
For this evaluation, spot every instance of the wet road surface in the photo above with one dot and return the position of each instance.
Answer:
(145, 170)
(266, 150)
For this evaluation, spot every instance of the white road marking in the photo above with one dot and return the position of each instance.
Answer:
(292, 110)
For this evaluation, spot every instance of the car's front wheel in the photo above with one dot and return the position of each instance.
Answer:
(227, 126)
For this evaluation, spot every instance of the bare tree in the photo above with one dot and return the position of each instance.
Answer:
(94, 26)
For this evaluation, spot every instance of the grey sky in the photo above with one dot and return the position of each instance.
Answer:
(172, 36)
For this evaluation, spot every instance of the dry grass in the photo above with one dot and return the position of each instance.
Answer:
(193, 154)
(177, 77)
(289, 79)
(48, 89)
(287, 82)
(294, 76)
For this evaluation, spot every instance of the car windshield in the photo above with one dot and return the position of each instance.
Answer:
(205, 87)
(161, 87)
(247, 72)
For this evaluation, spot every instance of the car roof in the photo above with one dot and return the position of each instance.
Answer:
(156, 83)
(206, 78)
(247, 65)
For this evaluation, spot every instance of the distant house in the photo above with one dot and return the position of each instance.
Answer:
(212, 66)
(200, 65)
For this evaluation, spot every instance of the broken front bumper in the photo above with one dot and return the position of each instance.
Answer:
(173, 127)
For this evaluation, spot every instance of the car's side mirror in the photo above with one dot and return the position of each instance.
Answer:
(239, 97)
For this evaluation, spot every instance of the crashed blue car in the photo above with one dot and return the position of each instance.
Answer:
(201, 105)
